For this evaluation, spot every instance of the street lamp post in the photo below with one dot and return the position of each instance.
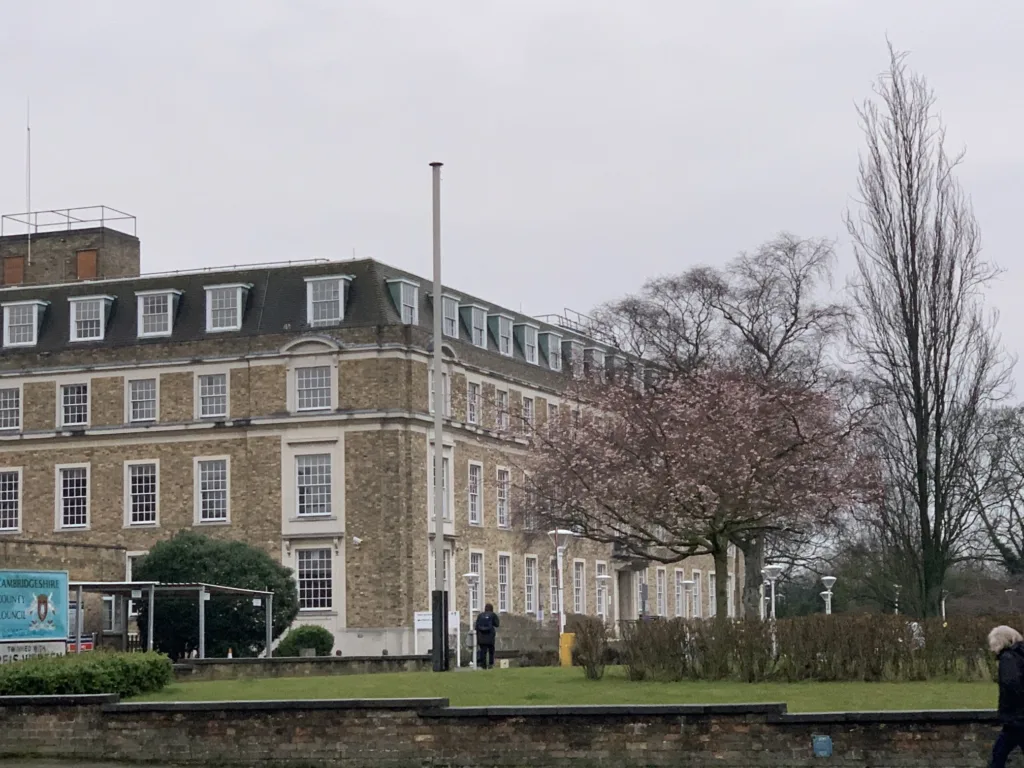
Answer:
(472, 580)
(945, 594)
(772, 572)
(602, 594)
(561, 538)
(829, 582)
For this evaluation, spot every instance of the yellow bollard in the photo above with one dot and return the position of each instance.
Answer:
(566, 641)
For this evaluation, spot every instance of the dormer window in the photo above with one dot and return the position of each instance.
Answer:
(450, 324)
(325, 299)
(224, 305)
(502, 327)
(89, 317)
(156, 312)
(596, 363)
(475, 318)
(575, 355)
(21, 323)
(406, 295)
(527, 335)
(552, 346)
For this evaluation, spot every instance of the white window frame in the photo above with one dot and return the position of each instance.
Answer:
(37, 309)
(530, 344)
(449, 566)
(579, 587)
(505, 489)
(74, 305)
(529, 418)
(450, 314)
(473, 402)
(554, 346)
(697, 598)
(58, 496)
(240, 289)
(478, 332)
(331, 388)
(21, 408)
(446, 391)
(502, 409)
(330, 571)
(554, 418)
(341, 281)
(476, 605)
(730, 586)
(197, 490)
(505, 591)
(140, 297)
(661, 591)
(198, 395)
(299, 514)
(712, 597)
(597, 362)
(680, 593)
(88, 405)
(128, 523)
(129, 575)
(129, 401)
(478, 519)
(505, 324)
(602, 594)
(531, 592)
(553, 585)
(446, 479)
(19, 512)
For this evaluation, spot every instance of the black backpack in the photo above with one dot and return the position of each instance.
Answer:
(485, 623)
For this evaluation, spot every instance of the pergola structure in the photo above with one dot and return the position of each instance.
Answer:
(126, 590)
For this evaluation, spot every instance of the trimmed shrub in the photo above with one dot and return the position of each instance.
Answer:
(306, 636)
(126, 674)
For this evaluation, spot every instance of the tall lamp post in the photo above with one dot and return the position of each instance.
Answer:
(772, 571)
(829, 582)
(603, 592)
(472, 580)
(560, 538)
(439, 607)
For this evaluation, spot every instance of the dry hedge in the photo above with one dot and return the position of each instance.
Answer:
(824, 648)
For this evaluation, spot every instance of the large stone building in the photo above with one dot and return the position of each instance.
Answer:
(287, 405)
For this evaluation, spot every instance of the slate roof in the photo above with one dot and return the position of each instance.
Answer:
(276, 304)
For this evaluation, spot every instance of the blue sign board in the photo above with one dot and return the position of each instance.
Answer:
(822, 746)
(33, 605)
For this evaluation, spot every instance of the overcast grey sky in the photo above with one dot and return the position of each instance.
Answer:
(587, 144)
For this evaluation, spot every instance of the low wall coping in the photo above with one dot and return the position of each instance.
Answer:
(294, 659)
(611, 710)
(281, 705)
(60, 700)
(889, 716)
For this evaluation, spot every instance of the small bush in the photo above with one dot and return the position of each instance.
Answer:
(126, 674)
(538, 659)
(307, 636)
(591, 647)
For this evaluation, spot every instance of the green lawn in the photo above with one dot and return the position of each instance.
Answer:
(568, 686)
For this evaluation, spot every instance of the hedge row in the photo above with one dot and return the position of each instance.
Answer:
(824, 648)
(127, 674)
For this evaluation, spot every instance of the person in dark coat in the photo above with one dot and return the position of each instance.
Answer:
(1008, 645)
(486, 627)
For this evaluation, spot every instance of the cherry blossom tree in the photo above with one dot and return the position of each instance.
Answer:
(689, 466)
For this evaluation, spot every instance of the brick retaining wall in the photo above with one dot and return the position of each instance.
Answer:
(426, 732)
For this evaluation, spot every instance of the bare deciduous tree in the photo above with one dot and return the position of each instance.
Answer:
(922, 336)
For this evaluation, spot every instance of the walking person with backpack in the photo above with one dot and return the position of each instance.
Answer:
(486, 627)
(1008, 645)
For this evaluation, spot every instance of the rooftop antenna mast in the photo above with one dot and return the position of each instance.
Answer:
(28, 174)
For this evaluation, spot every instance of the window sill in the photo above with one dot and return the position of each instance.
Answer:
(313, 518)
(224, 330)
(205, 523)
(320, 409)
(71, 528)
(144, 526)
(143, 422)
(324, 612)
(214, 417)
(9, 531)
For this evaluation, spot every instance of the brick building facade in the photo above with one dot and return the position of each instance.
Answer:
(288, 406)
